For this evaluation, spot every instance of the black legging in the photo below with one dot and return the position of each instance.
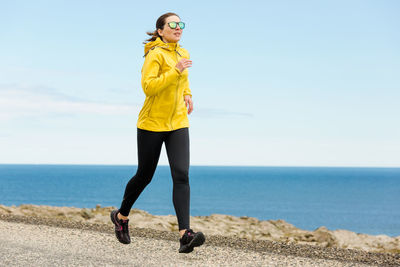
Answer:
(149, 149)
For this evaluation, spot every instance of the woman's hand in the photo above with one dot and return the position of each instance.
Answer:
(183, 64)
(189, 103)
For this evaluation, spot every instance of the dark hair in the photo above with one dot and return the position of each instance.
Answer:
(159, 25)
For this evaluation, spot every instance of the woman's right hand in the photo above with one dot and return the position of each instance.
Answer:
(183, 64)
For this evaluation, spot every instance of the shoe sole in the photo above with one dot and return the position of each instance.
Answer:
(197, 241)
(112, 216)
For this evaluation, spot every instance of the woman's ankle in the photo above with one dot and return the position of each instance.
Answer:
(121, 217)
(182, 232)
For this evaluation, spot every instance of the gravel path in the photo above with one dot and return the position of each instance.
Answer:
(44, 244)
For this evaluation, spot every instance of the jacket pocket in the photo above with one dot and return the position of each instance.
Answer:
(160, 109)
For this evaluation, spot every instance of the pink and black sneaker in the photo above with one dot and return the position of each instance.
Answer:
(121, 228)
(190, 240)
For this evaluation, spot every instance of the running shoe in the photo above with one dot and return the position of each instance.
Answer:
(121, 228)
(190, 240)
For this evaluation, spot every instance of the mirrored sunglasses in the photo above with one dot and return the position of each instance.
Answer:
(173, 24)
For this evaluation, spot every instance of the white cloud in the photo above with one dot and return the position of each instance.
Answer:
(18, 101)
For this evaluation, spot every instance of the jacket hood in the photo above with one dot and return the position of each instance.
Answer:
(159, 43)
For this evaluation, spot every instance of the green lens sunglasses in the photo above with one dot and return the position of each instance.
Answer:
(173, 24)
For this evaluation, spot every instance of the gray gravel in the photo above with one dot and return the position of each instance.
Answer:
(40, 245)
(42, 242)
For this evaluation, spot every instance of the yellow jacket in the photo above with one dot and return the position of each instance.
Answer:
(165, 86)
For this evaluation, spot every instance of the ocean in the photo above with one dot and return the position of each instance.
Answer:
(363, 200)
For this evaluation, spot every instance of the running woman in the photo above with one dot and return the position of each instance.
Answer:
(163, 119)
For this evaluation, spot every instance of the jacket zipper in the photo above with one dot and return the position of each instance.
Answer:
(176, 91)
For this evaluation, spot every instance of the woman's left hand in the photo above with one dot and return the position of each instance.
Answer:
(189, 103)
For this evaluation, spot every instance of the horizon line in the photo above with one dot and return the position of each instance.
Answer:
(203, 165)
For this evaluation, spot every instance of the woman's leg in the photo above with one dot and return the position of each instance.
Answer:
(177, 146)
(149, 148)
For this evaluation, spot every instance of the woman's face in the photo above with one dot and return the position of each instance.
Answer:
(171, 35)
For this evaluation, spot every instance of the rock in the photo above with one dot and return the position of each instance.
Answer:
(87, 214)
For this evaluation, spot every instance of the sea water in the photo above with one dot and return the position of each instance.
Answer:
(364, 200)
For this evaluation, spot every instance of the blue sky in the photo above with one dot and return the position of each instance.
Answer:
(274, 83)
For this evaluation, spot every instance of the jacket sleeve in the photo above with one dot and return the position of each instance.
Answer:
(152, 82)
(186, 88)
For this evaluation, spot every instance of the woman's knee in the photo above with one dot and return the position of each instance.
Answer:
(180, 176)
(144, 177)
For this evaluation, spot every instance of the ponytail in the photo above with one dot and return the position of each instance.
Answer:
(153, 37)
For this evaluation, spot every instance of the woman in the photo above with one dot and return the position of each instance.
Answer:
(163, 118)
